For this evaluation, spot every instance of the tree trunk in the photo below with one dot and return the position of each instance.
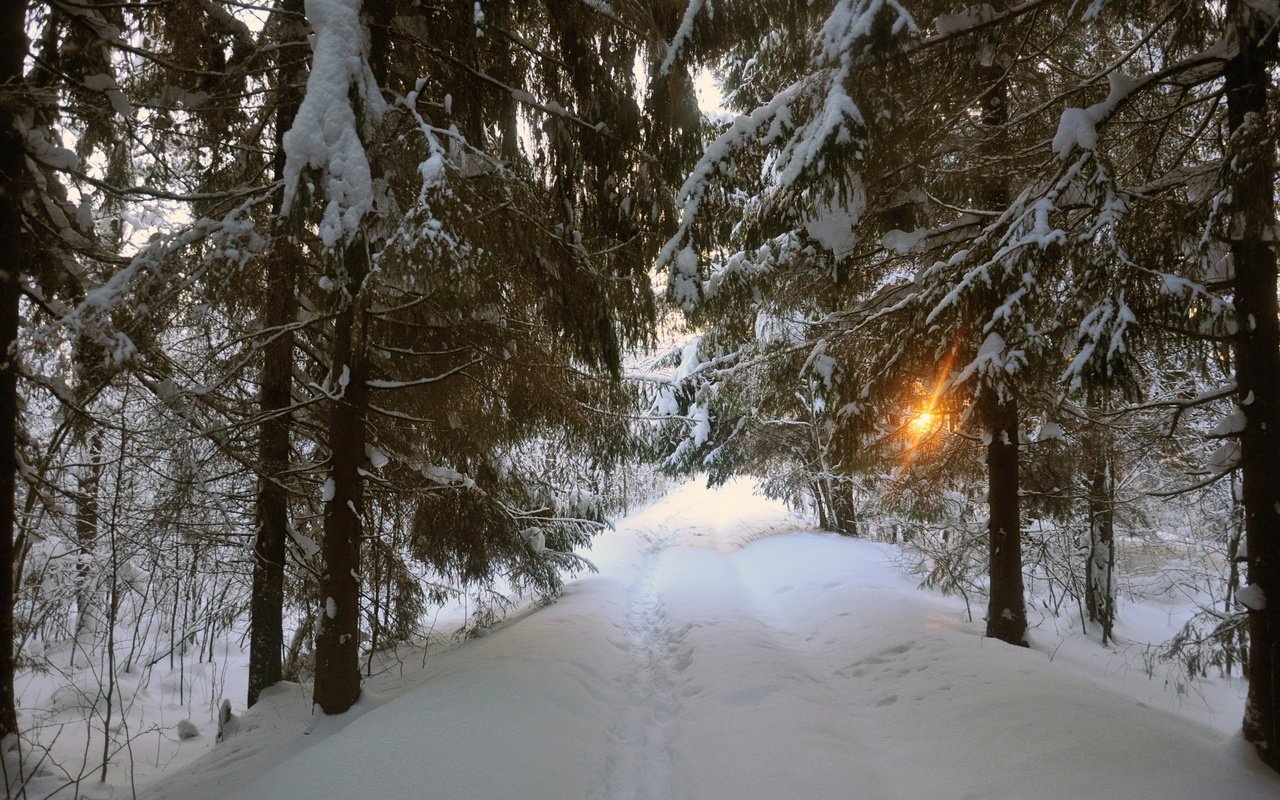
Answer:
(337, 683)
(1257, 350)
(86, 499)
(13, 184)
(266, 605)
(820, 505)
(293, 659)
(1006, 608)
(843, 509)
(1100, 593)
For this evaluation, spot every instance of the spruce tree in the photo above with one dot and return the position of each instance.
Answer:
(14, 186)
(1250, 177)
(279, 314)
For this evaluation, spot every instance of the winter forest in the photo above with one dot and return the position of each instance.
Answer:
(349, 340)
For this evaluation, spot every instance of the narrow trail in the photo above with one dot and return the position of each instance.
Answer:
(640, 760)
(751, 689)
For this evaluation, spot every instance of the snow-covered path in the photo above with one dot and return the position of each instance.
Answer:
(709, 660)
(639, 758)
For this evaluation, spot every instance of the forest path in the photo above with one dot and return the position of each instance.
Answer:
(638, 766)
(732, 704)
(722, 652)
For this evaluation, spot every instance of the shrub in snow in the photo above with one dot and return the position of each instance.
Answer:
(186, 729)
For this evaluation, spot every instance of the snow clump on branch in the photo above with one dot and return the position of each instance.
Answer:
(325, 135)
(1078, 127)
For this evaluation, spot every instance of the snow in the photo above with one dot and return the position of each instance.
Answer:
(993, 360)
(903, 242)
(685, 284)
(1226, 457)
(836, 119)
(1077, 128)
(521, 96)
(948, 24)
(667, 403)
(715, 159)
(1050, 431)
(446, 476)
(681, 38)
(305, 543)
(822, 365)
(852, 21)
(1252, 597)
(107, 85)
(834, 224)
(535, 538)
(723, 651)
(377, 458)
(1230, 425)
(1111, 321)
(325, 135)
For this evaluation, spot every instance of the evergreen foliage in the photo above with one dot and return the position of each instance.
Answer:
(321, 313)
(1049, 239)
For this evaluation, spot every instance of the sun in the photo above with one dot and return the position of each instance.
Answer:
(922, 424)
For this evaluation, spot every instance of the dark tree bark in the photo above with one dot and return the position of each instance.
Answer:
(1257, 351)
(843, 511)
(820, 503)
(1100, 594)
(337, 683)
(13, 185)
(1006, 608)
(266, 606)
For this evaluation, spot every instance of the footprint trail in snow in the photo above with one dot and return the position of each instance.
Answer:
(640, 757)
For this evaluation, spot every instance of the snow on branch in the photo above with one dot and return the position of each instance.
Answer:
(389, 384)
(850, 25)
(994, 361)
(1105, 328)
(420, 223)
(1078, 127)
(846, 36)
(678, 42)
(965, 21)
(678, 254)
(235, 240)
(834, 120)
(744, 268)
(326, 134)
(1024, 224)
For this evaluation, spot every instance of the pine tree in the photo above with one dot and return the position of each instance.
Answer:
(266, 623)
(481, 290)
(1250, 176)
(14, 185)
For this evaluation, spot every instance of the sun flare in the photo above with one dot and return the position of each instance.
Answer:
(922, 424)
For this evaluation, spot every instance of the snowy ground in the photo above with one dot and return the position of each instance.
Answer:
(722, 652)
